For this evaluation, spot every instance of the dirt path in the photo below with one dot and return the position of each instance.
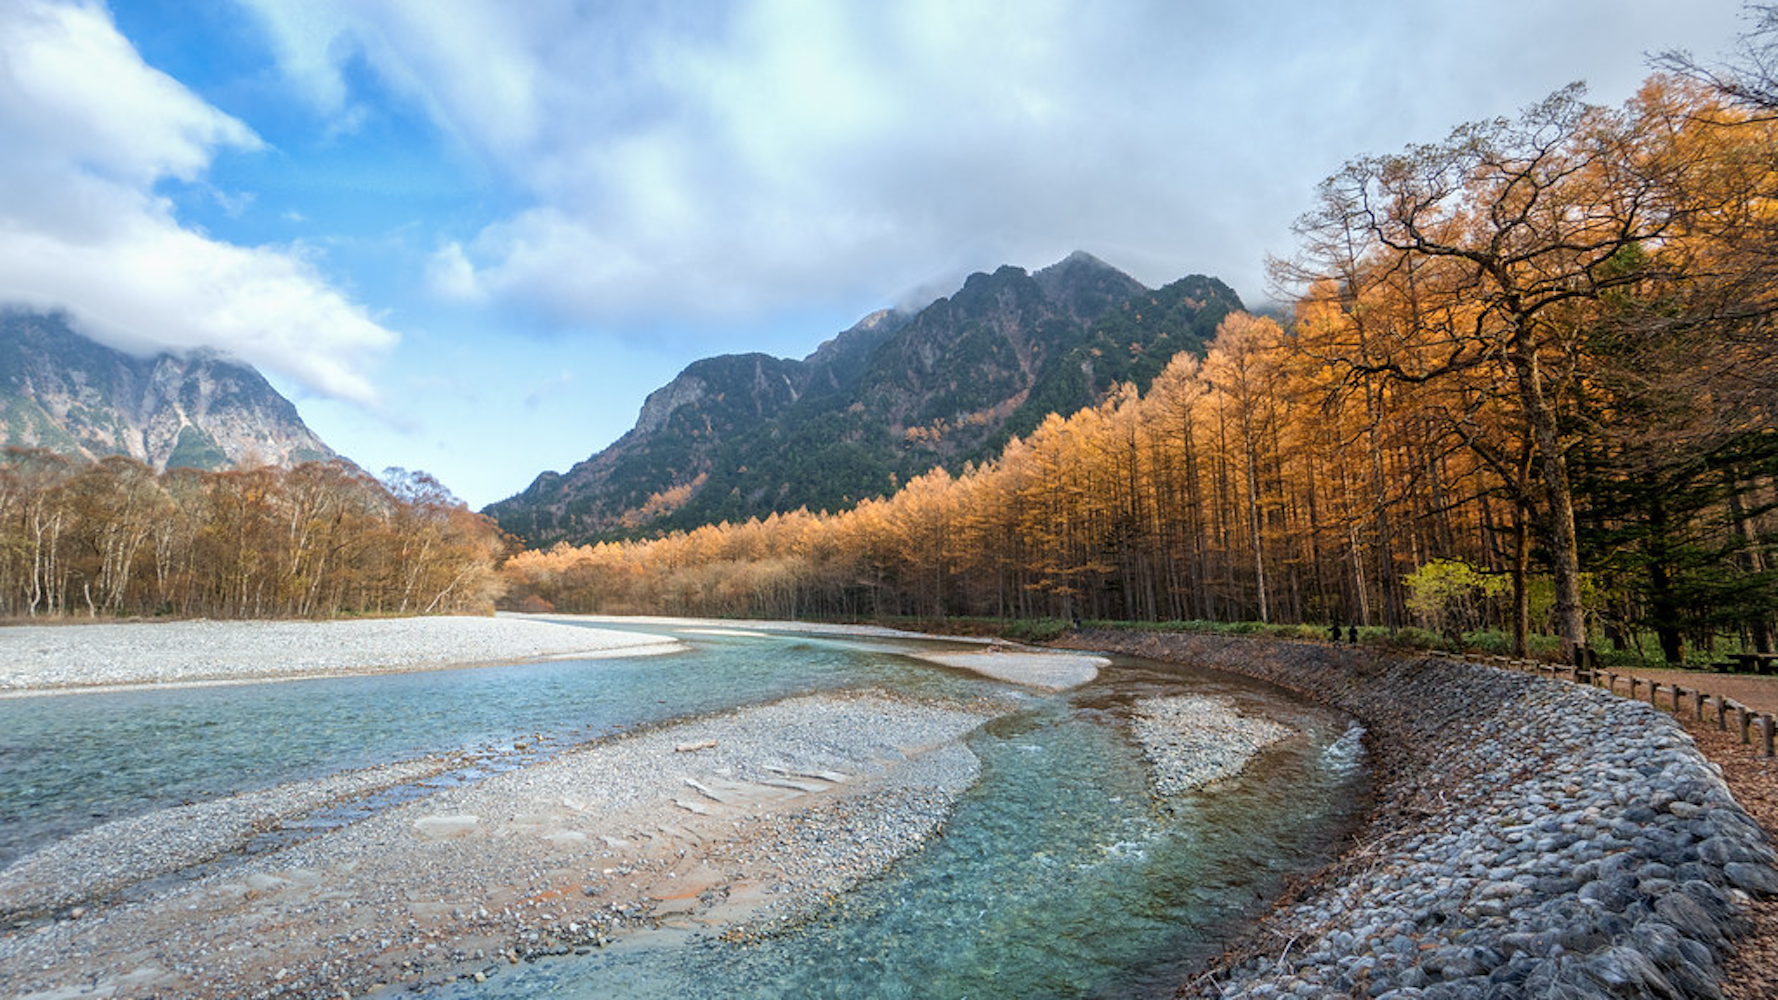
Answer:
(1757, 693)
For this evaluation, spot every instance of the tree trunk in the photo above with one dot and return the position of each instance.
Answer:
(1571, 622)
(1752, 560)
(1521, 573)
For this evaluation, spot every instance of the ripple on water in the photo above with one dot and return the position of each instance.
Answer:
(1056, 875)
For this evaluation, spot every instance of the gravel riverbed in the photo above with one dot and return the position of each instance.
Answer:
(731, 823)
(1194, 740)
(1531, 838)
(1048, 671)
(35, 658)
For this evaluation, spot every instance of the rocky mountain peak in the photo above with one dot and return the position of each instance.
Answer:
(738, 436)
(64, 392)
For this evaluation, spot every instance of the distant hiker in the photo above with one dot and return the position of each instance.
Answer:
(1352, 633)
(1333, 632)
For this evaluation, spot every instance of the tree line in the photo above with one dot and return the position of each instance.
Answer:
(111, 538)
(1537, 356)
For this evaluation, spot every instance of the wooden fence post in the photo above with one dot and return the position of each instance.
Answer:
(1765, 727)
(1698, 704)
(1677, 692)
(1722, 713)
(1746, 718)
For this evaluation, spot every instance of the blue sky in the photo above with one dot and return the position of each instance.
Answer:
(470, 236)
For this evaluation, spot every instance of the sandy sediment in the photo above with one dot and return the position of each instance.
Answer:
(727, 823)
(37, 658)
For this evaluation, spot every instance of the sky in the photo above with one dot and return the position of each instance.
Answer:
(470, 236)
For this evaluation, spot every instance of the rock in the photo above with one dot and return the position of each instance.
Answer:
(1754, 879)
(1626, 972)
(1720, 850)
(1533, 838)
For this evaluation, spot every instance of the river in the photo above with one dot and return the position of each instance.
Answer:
(1058, 875)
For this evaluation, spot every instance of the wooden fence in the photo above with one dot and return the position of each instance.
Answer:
(1669, 696)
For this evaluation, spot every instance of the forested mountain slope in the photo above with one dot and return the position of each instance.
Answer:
(740, 436)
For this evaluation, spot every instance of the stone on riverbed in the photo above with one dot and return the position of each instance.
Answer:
(1195, 740)
(1049, 671)
(1531, 838)
(441, 827)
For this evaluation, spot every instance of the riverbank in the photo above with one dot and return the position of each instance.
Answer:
(39, 658)
(728, 824)
(1529, 838)
(1028, 666)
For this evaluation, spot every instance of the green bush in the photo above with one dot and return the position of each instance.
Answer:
(1300, 632)
(1410, 637)
(1498, 642)
(1036, 629)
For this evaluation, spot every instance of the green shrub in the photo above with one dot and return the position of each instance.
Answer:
(1036, 629)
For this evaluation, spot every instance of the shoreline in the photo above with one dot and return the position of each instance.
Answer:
(37, 660)
(112, 657)
(728, 824)
(1528, 838)
(733, 825)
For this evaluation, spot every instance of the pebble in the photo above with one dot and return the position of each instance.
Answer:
(1532, 838)
(39, 658)
(1192, 741)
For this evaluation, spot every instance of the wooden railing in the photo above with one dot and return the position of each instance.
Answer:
(1746, 719)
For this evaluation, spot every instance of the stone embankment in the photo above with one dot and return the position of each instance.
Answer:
(1530, 838)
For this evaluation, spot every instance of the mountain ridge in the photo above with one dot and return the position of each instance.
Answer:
(64, 392)
(742, 435)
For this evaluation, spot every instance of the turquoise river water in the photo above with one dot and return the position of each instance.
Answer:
(1057, 876)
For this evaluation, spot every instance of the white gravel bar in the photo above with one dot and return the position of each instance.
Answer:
(1197, 740)
(734, 823)
(1031, 668)
(1044, 669)
(37, 658)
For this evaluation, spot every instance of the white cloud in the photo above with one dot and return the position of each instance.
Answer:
(721, 162)
(151, 286)
(452, 277)
(74, 90)
(473, 66)
(91, 129)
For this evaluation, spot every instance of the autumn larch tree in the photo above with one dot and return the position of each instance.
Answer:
(1511, 232)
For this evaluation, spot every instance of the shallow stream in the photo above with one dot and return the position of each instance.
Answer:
(1058, 875)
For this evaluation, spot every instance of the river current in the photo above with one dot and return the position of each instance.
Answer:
(1057, 876)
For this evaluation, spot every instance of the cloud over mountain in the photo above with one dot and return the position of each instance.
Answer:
(92, 133)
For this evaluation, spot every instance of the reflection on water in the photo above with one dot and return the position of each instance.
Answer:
(1057, 876)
